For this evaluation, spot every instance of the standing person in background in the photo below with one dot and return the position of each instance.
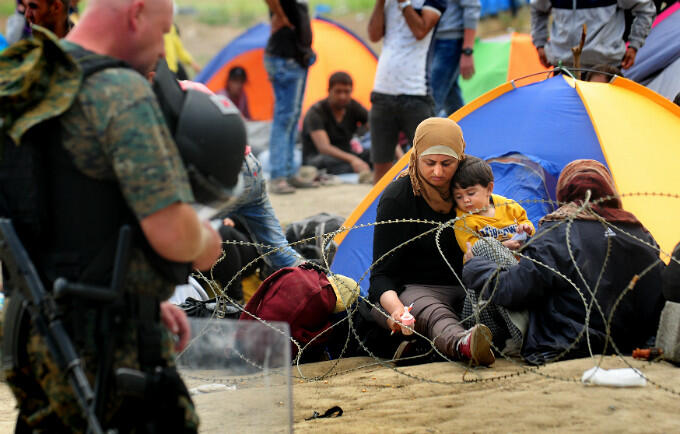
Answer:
(400, 95)
(287, 57)
(604, 39)
(176, 54)
(451, 54)
(50, 14)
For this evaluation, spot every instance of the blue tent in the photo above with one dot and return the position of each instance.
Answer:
(3, 42)
(657, 64)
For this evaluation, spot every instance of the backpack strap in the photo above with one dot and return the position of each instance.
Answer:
(91, 62)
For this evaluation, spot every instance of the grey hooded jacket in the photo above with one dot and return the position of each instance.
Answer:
(604, 37)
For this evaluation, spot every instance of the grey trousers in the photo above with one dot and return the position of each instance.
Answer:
(434, 308)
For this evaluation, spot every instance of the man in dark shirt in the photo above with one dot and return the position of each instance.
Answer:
(329, 127)
(287, 57)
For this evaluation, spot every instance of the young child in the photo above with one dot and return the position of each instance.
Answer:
(482, 213)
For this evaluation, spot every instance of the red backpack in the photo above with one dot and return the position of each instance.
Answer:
(300, 296)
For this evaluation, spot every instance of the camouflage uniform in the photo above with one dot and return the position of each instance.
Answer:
(114, 130)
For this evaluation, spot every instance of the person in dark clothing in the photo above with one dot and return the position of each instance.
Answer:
(417, 274)
(671, 277)
(589, 272)
(328, 129)
(236, 257)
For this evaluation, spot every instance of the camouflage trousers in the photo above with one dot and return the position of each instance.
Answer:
(47, 404)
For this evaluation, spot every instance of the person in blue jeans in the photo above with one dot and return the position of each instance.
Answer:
(451, 54)
(255, 212)
(288, 55)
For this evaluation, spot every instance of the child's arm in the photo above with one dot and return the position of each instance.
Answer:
(465, 235)
(523, 222)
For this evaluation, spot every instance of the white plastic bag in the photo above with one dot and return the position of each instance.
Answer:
(624, 377)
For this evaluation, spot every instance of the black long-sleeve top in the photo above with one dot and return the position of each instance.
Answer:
(418, 262)
(557, 313)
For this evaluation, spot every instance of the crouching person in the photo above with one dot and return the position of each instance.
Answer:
(589, 265)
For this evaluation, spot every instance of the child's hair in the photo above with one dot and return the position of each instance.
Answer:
(472, 171)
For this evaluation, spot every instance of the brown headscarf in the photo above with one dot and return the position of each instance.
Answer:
(435, 136)
(576, 179)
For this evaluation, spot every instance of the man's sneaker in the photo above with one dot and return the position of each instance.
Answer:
(280, 186)
(298, 182)
(475, 345)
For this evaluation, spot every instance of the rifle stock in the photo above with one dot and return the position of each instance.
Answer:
(27, 289)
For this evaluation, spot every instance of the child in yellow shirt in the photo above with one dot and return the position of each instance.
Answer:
(483, 214)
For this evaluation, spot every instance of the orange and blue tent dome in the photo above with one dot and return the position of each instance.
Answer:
(632, 130)
(330, 41)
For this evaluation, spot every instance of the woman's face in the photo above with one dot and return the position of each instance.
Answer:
(437, 169)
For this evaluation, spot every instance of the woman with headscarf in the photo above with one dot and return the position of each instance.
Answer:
(417, 273)
(592, 271)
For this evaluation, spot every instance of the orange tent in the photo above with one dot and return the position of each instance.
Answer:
(336, 48)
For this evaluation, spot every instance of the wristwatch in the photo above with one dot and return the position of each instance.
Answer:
(403, 5)
(467, 51)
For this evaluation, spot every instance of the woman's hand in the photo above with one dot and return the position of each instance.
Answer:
(512, 244)
(394, 322)
(391, 303)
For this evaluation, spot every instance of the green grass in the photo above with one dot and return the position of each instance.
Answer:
(247, 12)
(7, 7)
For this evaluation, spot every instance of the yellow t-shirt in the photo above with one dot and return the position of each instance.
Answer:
(502, 226)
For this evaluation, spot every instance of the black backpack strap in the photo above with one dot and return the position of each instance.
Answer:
(91, 62)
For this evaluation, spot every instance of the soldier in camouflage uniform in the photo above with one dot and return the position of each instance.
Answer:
(114, 131)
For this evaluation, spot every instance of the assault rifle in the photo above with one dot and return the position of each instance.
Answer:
(27, 292)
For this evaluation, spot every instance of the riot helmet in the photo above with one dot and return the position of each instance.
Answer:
(210, 135)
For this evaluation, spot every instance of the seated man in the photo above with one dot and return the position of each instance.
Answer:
(328, 129)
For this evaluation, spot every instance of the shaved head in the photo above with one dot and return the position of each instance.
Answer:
(134, 30)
